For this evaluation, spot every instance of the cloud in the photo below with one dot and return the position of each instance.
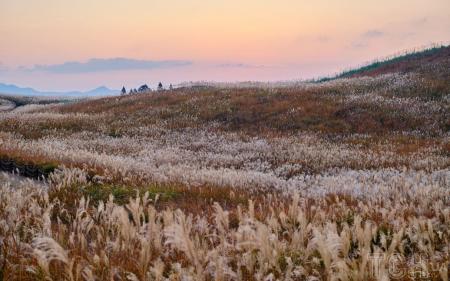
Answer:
(373, 33)
(323, 39)
(113, 64)
(360, 45)
(420, 21)
(239, 65)
(364, 39)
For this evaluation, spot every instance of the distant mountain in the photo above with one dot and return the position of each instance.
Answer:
(15, 90)
(102, 91)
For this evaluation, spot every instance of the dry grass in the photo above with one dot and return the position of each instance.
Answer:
(325, 108)
(334, 181)
(336, 237)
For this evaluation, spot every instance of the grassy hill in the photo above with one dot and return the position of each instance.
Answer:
(404, 63)
(369, 105)
(301, 181)
(415, 100)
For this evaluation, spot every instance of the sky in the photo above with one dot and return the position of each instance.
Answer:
(81, 44)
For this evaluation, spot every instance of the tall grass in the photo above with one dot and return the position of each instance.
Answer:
(343, 180)
(400, 227)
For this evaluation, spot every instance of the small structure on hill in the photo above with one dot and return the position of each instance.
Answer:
(143, 88)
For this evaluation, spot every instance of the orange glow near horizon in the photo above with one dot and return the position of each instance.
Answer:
(257, 32)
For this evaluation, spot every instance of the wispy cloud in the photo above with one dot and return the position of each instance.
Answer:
(420, 21)
(360, 45)
(373, 33)
(323, 39)
(364, 39)
(239, 65)
(113, 64)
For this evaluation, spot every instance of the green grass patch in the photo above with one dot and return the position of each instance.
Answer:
(378, 63)
(122, 194)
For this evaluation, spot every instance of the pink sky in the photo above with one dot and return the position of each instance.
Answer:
(219, 40)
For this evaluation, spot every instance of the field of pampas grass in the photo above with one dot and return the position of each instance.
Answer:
(347, 179)
(399, 230)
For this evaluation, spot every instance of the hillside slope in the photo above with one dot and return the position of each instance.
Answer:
(416, 61)
(6, 105)
(416, 101)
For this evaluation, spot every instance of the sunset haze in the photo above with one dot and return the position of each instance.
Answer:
(220, 40)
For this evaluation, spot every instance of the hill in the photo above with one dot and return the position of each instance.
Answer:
(301, 181)
(415, 101)
(414, 61)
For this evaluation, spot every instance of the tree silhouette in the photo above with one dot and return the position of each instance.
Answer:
(160, 86)
(143, 88)
(124, 91)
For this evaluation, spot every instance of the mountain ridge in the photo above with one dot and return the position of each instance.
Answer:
(28, 91)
